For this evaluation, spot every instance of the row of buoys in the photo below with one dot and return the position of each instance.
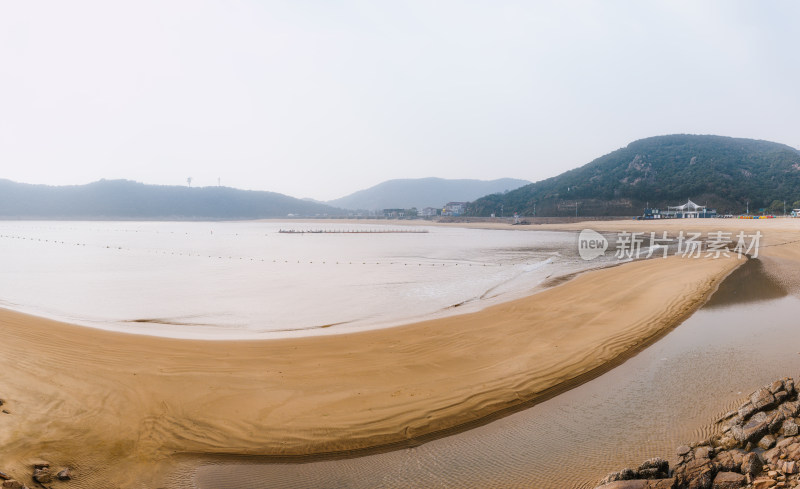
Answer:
(41, 240)
(211, 232)
(353, 231)
(278, 261)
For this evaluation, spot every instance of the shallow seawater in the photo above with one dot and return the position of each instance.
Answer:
(246, 279)
(669, 394)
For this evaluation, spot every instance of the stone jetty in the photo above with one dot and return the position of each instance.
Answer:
(758, 448)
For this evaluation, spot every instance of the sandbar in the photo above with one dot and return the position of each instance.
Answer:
(118, 407)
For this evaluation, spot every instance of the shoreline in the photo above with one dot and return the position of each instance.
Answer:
(148, 390)
(507, 281)
(542, 396)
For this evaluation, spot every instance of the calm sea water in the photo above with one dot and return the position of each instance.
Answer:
(214, 280)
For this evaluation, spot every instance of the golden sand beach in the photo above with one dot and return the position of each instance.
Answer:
(117, 407)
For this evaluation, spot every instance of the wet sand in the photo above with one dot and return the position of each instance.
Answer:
(667, 395)
(117, 407)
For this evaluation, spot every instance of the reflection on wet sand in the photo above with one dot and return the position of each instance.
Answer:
(748, 283)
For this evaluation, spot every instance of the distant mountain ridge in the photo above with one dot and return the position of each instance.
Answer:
(423, 192)
(125, 199)
(724, 173)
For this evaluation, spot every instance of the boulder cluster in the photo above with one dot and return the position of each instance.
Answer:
(758, 447)
(42, 474)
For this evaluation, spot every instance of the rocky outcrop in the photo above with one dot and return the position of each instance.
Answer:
(758, 448)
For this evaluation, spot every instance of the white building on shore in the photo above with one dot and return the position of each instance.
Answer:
(689, 210)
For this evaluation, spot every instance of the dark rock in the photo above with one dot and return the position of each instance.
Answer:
(655, 463)
(788, 384)
(762, 399)
(787, 449)
(727, 442)
(789, 428)
(729, 461)
(727, 415)
(735, 421)
(654, 468)
(41, 465)
(786, 442)
(4, 476)
(752, 431)
(627, 484)
(729, 480)
(772, 456)
(651, 473)
(746, 410)
(790, 409)
(775, 420)
(703, 452)
(766, 418)
(788, 466)
(697, 474)
(42, 476)
(792, 451)
(640, 484)
(64, 475)
(12, 484)
(622, 475)
(763, 483)
(662, 484)
(751, 464)
(767, 442)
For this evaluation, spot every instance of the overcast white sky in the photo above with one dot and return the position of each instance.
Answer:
(319, 99)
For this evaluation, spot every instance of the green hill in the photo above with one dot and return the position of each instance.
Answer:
(124, 199)
(721, 172)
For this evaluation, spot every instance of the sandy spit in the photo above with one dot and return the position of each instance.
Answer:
(118, 407)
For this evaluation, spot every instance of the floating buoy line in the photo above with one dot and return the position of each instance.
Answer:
(283, 260)
(353, 231)
(213, 232)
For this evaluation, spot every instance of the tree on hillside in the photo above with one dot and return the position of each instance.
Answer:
(777, 207)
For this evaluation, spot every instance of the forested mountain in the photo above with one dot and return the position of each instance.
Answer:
(724, 173)
(423, 192)
(124, 199)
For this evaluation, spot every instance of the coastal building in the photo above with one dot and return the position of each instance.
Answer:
(652, 214)
(394, 213)
(689, 210)
(454, 208)
(430, 212)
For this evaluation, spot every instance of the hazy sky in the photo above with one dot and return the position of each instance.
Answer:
(319, 99)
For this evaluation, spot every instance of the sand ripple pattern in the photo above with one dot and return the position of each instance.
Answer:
(668, 394)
